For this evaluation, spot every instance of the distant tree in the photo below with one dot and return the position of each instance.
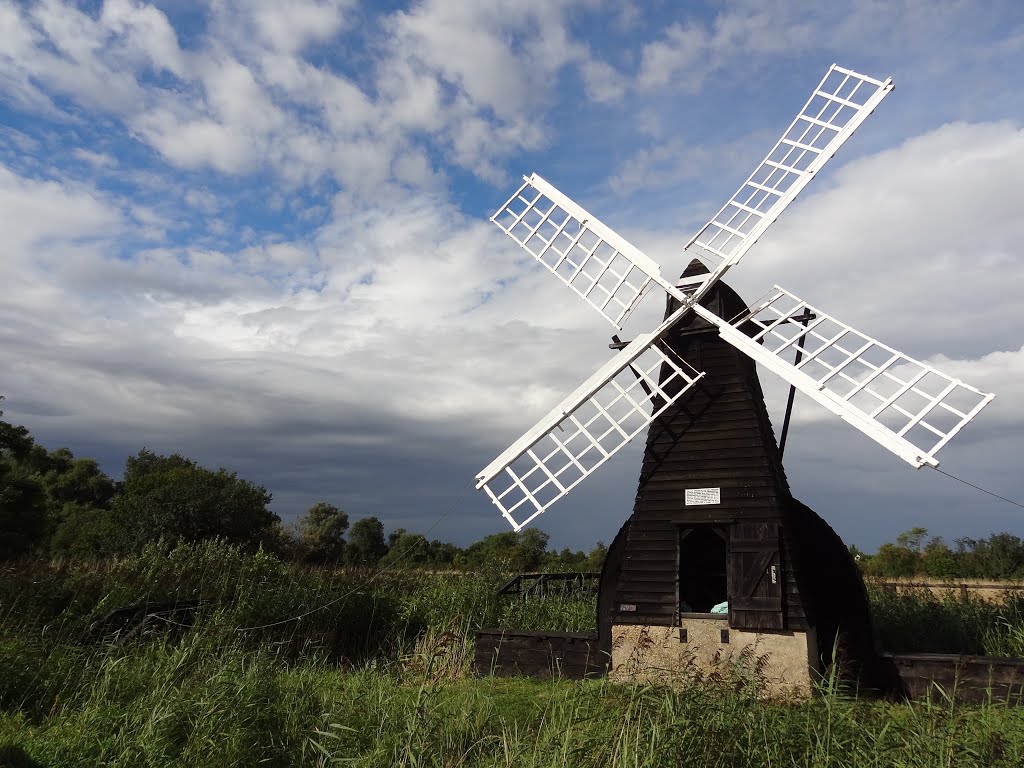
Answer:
(442, 553)
(517, 552)
(407, 549)
(596, 556)
(16, 441)
(80, 481)
(174, 498)
(913, 539)
(78, 495)
(904, 558)
(894, 560)
(366, 542)
(939, 561)
(491, 552)
(413, 549)
(23, 509)
(567, 560)
(529, 553)
(1000, 556)
(23, 519)
(85, 531)
(322, 533)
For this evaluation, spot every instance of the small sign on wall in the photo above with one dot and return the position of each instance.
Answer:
(696, 496)
(627, 606)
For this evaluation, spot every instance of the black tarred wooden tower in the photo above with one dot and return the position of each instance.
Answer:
(777, 564)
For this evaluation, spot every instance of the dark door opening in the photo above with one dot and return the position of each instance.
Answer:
(702, 568)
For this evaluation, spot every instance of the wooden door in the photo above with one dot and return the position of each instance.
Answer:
(755, 576)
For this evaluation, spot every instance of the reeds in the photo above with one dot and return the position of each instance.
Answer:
(375, 673)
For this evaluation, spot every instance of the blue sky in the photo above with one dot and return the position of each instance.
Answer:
(256, 233)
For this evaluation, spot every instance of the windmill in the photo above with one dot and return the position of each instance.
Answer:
(714, 522)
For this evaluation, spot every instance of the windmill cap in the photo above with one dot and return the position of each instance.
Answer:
(696, 267)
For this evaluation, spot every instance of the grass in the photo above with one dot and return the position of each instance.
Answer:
(920, 621)
(197, 703)
(378, 677)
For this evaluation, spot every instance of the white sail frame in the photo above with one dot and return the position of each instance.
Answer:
(586, 429)
(836, 108)
(605, 270)
(908, 406)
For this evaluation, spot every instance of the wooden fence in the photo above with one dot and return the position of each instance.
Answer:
(986, 589)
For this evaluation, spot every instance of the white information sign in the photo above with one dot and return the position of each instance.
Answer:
(695, 496)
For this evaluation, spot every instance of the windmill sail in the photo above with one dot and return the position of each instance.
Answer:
(612, 275)
(905, 405)
(840, 103)
(609, 273)
(593, 423)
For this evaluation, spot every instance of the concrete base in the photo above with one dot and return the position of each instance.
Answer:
(779, 663)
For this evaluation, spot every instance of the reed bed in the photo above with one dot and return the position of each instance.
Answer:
(375, 673)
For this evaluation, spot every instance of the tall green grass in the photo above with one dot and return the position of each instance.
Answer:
(352, 616)
(257, 600)
(918, 620)
(375, 673)
(199, 703)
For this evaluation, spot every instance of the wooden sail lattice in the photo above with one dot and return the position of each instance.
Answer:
(842, 101)
(600, 266)
(597, 420)
(908, 406)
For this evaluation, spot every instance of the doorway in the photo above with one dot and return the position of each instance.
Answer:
(702, 568)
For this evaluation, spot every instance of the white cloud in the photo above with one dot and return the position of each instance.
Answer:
(917, 244)
(95, 159)
(142, 34)
(692, 51)
(291, 26)
(46, 216)
(603, 82)
(465, 79)
(369, 321)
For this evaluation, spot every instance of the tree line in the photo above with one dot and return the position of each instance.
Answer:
(52, 503)
(915, 553)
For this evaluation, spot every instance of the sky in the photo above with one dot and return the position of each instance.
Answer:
(256, 233)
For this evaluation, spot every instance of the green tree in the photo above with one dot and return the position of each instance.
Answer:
(1000, 556)
(23, 508)
(85, 531)
(902, 558)
(23, 519)
(79, 495)
(16, 441)
(596, 556)
(508, 551)
(366, 542)
(442, 553)
(565, 561)
(80, 481)
(913, 539)
(939, 561)
(174, 498)
(322, 533)
(408, 549)
(893, 560)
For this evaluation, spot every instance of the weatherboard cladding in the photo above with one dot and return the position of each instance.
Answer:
(719, 436)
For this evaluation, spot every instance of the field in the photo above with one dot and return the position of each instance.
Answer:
(375, 673)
